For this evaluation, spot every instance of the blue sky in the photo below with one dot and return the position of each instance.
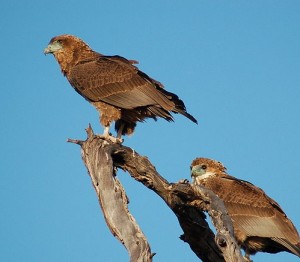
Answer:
(236, 64)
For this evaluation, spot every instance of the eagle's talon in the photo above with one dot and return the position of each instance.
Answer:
(183, 181)
(111, 139)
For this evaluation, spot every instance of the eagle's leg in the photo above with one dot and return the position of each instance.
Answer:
(120, 131)
(247, 257)
(108, 114)
(106, 131)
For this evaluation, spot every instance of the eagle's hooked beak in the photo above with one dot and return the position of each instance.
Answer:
(197, 171)
(193, 176)
(47, 50)
(53, 47)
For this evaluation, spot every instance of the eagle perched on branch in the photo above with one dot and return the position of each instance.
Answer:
(259, 222)
(118, 89)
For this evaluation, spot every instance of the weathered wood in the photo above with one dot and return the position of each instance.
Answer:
(96, 154)
(188, 202)
(209, 202)
(222, 222)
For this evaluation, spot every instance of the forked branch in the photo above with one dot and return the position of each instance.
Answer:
(102, 158)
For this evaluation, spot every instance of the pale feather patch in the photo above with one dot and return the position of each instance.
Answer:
(262, 227)
(207, 174)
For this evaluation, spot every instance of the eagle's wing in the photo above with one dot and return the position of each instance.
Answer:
(252, 211)
(114, 80)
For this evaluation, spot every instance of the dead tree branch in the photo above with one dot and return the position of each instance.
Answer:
(188, 202)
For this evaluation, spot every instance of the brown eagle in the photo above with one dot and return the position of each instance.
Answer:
(118, 89)
(259, 222)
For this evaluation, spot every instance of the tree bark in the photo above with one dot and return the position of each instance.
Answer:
(102, 158)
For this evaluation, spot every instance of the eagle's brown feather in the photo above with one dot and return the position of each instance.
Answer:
(118, 89)
(259, 222)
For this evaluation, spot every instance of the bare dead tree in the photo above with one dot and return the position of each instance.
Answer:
(189, 202)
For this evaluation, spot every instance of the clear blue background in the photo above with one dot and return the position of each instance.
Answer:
(236, 64)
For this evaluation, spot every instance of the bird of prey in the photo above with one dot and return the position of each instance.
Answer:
(119, 90)
(259, 222)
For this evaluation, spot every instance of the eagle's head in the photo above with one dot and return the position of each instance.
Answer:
(68, 50)
(64, 43)
(203, 168)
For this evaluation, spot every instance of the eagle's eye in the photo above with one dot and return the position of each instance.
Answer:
(59, 42)
(204, 167)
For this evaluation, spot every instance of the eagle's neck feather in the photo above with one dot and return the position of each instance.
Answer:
(71, 58)
(208, 174)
